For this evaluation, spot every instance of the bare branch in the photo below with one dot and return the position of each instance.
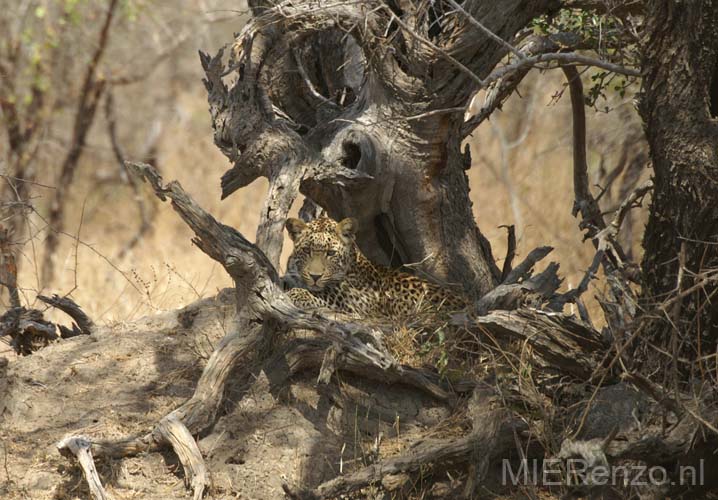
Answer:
(487, 31)
(501, 89)
(590, 274)
(620, 311)
(584, 201)
(524, 268)
(510, 252)
(565, 59)
(632, 201)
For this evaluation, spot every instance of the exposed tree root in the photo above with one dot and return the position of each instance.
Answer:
(174, 432)
(79, 447)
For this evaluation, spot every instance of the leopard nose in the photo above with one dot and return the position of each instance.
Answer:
(315, 277)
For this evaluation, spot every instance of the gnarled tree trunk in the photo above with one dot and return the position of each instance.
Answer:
(390, 119)
(679, 106)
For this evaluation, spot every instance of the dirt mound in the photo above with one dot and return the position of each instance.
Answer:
(120, 381)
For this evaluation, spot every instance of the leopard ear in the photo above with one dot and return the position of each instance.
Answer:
(295, 227)
(347, 228)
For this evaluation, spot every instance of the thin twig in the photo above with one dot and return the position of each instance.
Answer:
(632, 200)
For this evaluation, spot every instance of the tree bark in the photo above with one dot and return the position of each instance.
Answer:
(678, 106)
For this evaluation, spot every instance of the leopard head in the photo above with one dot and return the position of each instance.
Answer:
(324, 250)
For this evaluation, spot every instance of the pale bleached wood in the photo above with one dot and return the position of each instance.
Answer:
(173, 431)
(79, 448)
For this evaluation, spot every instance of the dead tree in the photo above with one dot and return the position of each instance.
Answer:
(26, 327)
(360, 106)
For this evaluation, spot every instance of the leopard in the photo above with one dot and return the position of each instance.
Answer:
(336, 276)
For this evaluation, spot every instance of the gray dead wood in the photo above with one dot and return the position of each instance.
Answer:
(524, 268)
(534, 291)
(272, 149)
(79, 448)
(308, 354)
(83, 324)
(258, 283)
(561, 344)
(321, 92)
(262, 307)
(173, 431)
(487, 413)
(27, 329)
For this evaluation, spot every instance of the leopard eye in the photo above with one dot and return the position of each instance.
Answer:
(331, 253)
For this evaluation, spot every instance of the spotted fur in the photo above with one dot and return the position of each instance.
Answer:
(336, 275)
